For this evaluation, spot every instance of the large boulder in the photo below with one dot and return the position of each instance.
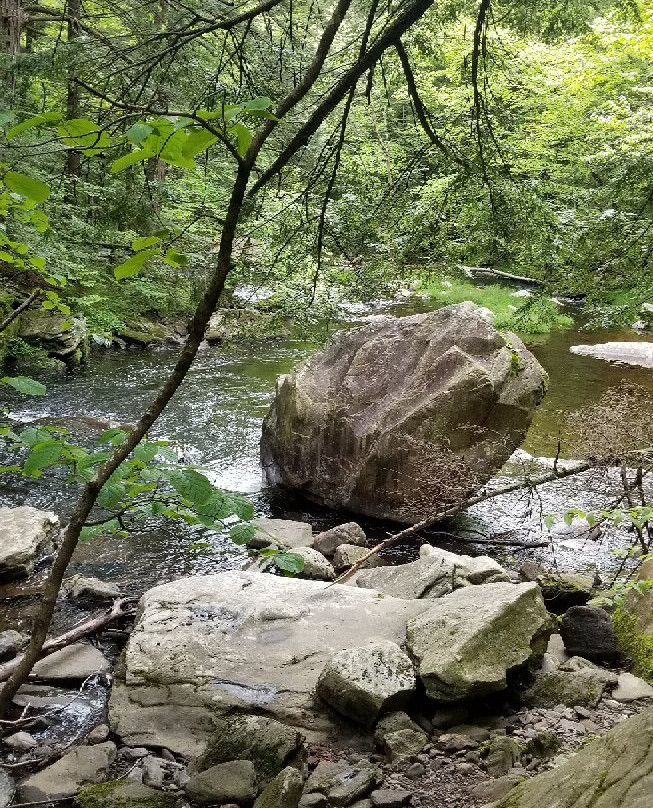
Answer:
(403, 415)
(25, 534)
(61, 336)
(206, 646)
(436, 573)
(615, 771)
(468, 641)
(587, 631)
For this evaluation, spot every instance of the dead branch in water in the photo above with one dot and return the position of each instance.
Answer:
(119, 609)
(483, 496)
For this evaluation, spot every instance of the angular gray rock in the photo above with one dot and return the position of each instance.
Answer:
(268, 744)
(390, 798)
(25, 534)
(77, 661)
(614, 771)
(7, 789)
(399, 736)
(20, 741)
(280, 533)
(284, 791)
(393, 417)
(208, 645)
(328, 541)
(51, 331)
(436, 573)
(316, 566)
(65, 777)
(341, 782)
(575, 682)
(500, 754)
(631, 688)
(361, 683)
(587, 631)
(466, 642)
(349, 554)
(232, 782)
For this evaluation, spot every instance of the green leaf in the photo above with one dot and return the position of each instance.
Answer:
(112, 494)
(192, 486)
(291, 563)
(84, 134)
(145, 452)
(26, 186)
(25, 385)
(42, 456)
(37, 261)
(115, 436)
(134, 264)
(242, 533)
(243, 138)
(242, 507)
(198, 141)
(31, 123)
(145, 241)
(176, 258)
(130, 159)
(137, 133)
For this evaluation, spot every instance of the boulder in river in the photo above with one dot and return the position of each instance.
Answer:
(61, 336)
(468, 641)
(208, 645)
(26, 533)
(328, 541)
(627, 353)
(64, 778)
(615, 771)
(404, 415)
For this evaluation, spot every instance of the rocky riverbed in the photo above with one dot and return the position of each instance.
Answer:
(443, 681)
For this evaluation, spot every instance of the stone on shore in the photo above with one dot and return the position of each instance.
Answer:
(232, 782)
(284, 791)
(576, 682)
(631, 688)
(268, 744)
(468, 641)
(26, 534)
(436, 573)
(328, 541)
(208, 645)
(280, 533)
(349, 554)
(316, 566)
(64, 778)
(362, 683)
(614, 771)
(587, 631)
(80, 586)
(399, 736)
(393, 417)
(343, 783)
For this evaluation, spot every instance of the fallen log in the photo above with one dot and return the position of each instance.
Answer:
(123, 607)
(482, 496)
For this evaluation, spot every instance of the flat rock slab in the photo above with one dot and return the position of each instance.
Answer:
(631, 688)
(77, 661)
(240, 640)
(77, 768)
(25, 534)
(615, 771)
(628, 353)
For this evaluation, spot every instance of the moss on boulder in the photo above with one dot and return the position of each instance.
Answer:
(633, 623)
(123, 794)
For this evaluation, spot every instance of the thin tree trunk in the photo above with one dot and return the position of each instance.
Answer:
(12, 19)
(73, 156)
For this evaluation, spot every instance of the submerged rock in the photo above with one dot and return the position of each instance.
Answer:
(403, 416)
(436, 573)
(207, 645)
(468, 641)
(628, 353)
(361, 683)
(78, 661)
(25, 534)
(615, 771)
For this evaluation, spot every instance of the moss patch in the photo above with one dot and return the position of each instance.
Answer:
(123, 794)
(633, 643)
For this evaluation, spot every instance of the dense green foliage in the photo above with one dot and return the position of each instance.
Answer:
(536, 157)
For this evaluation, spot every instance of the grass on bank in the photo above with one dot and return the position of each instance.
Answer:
(535, 314)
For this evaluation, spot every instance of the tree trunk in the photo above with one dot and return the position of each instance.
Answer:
(73, 156)
(12, 19)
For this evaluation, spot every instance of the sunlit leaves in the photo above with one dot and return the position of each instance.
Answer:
(25, 385)
(28, 187)
(134, 264)
(33, 123)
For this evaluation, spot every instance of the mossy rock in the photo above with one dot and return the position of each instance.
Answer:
(146, 334)
(633, 624)
(123, 794)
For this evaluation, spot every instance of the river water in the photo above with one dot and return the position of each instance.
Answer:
(216, 420)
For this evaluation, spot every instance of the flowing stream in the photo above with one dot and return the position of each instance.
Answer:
(216, 419)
